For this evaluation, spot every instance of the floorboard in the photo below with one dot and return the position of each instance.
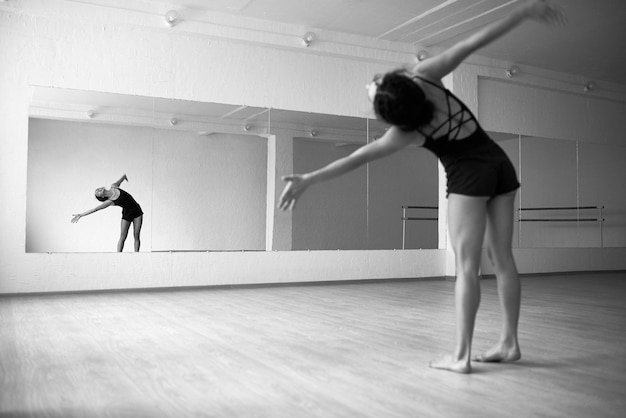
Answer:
(336, 350)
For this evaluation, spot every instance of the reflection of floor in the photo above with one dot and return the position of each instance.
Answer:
(336, 350)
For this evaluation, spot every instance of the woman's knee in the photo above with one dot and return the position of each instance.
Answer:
(468, 267)
(502, 260)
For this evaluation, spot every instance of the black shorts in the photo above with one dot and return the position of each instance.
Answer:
(131, 214)
(485, 170)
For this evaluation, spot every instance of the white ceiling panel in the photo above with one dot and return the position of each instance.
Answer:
(591, 45)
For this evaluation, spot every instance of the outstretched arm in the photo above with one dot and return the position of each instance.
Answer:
(393, 140)
(440, 65)
(119, 182)
(90, 211)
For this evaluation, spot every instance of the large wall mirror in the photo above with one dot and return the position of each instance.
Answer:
(363, 209)
(198, 170)
(567, 197)
(208, 174)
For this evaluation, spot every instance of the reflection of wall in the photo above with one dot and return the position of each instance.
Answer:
(562, 173)
(548, 180)
(332, 216)
(197, 192)
(67, 162)
(363, 210)
(408, 178)
(209, 192)
(602, 172)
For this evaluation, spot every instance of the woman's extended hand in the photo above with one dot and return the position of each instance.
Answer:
(545, 11)
(76, 218)
(296, 185)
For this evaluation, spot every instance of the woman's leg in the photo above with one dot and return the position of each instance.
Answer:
(137, 222)
(466, 224)
(499, 235)
(123, 234)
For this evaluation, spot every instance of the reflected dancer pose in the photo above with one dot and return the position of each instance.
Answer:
(481, 181)
(131, 211)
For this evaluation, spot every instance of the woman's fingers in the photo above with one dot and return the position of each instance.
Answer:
(293, 189)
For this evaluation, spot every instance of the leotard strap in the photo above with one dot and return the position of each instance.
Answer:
(465, 115)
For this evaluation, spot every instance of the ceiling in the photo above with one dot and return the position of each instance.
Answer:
(591, 45)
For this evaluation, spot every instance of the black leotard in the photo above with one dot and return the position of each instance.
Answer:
(130, 208)
(475, 165)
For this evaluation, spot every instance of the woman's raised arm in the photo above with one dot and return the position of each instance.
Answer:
(440, 65)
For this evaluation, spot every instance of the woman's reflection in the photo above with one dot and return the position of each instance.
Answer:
(131, 211)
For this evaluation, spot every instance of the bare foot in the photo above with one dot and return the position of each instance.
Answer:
(499, 353)
(447, 363)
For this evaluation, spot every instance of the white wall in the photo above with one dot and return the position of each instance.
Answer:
(66, 44)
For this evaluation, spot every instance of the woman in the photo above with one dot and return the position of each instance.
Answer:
(481, 180)
(131, 211)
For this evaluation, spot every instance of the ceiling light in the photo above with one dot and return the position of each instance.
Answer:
(589, 86)
(421, 55)
(308, 38)
(512, 71)
(172, 18)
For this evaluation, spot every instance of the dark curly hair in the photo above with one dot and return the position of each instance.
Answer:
(400, 101)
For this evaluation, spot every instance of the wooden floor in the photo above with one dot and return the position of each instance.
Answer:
(336, 350)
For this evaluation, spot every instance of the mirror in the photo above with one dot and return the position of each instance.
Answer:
(600, 167)
(318, 140)
(557, 178)
(207, 176)
(198, 170)
(362, 209)
(79, 141)
(403, 195)
(566, 198)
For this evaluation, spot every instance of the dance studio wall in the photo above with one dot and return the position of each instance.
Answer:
(77, 46)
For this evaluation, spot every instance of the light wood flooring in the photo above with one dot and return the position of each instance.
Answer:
(333, 350)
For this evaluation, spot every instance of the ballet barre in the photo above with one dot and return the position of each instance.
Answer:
(413, 218)
(600, 218)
